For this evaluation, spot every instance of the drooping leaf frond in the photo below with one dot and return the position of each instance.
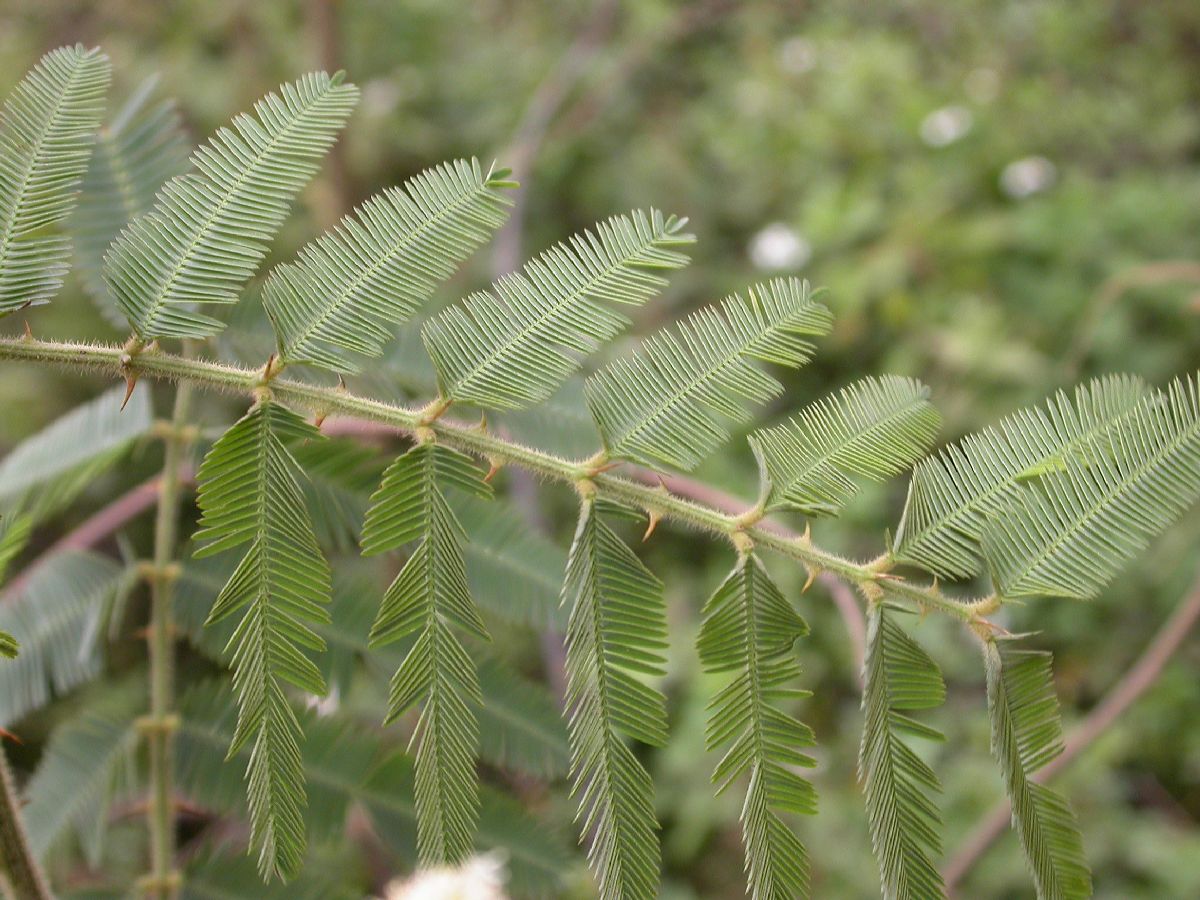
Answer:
(87, 765)
(10, 647)
(901, 789)
(873, 428)
(749, 630)
(48, 470)
(952, 495)
(1026, 734)
(56, 616)
(428, 598)
(249, 494)
(668, 402)
(140, 149)
(376, 268)
(46, 130)
(1068, 533)
(512, 348)
(208, 231)
(616, 636)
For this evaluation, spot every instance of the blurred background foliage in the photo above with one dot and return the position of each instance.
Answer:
(1002, 199)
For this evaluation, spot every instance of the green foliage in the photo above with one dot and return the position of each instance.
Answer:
(88, 763)
(46, 130)
(749, 630)
(512, 348)
(1026, 734)
(873, 429)
(428, 597)
(615, 637)
(206, 234)
(250, 494)
(667, 403)
(1072, 530)
(136, 153)
(48, 470)
(399, 246)
(57, 617)
(901, 789)
(953, 495)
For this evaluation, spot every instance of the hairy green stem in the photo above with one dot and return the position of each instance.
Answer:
(163, 881)
(20, 875)
(153, 363)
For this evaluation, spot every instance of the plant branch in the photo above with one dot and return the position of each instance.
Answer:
(160, 816)
(153, 363)
(19, 869)
(1135, 682)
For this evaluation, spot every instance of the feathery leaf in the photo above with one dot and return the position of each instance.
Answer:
(250, 494)
(616, 635)
(1068, 533)
(48, 470)
(513, 348)
(88, 762)
(14, 535)
(46, 131)
(378, 266)
(135, 155)
(56, 616)
(901, 790)
(749, 630)
(953, 495)
(670, 400)
(429, 596)
(873, 428)
(1027, 734)
(208, 231)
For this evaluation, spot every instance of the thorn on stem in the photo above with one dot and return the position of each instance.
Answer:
(131, 380)
(493, 468)
(812, 576)
(654, 518)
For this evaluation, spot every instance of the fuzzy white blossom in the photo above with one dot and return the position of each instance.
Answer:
(944, 126)
(479, 878)
(1028, 176)
(779, 247)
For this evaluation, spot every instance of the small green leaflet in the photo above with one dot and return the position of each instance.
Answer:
(512, 348)
(954, 494)
(749, 630)
(616, 636)
(1027, 734)
(669, 402)
(1069, 532)
(429, 598)
(874, 428)
(375, 269)
(46, 132)
(209, 230)
(250, 495)
(901, 789)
